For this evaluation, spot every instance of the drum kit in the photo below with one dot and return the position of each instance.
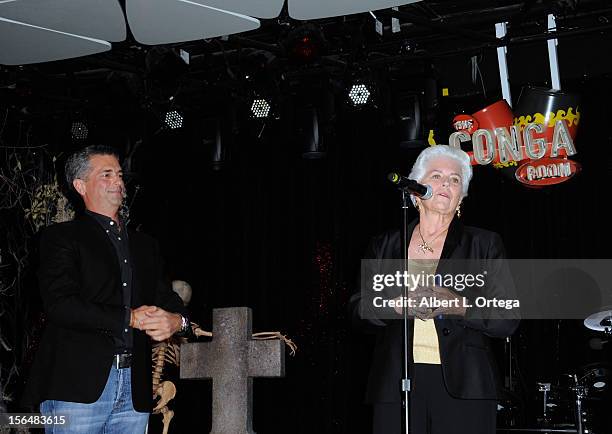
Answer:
(570, 404)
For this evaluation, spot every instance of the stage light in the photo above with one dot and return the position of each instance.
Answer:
(409, 121)
(305, 48)
(165, 66)
(260, 108)
(360, 94)
(173, 119)
(215, 143)
(79, 130)
(311, 133)
(305, 44)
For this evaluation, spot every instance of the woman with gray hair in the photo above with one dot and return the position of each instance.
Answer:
(453, 388)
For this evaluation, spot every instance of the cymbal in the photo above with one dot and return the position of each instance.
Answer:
(600, 321)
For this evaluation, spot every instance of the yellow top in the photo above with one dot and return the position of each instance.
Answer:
(425, 347)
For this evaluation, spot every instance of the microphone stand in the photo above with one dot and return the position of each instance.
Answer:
(406, 381)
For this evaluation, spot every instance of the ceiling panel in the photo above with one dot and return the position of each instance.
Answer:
(255, 8)
(169, 21)
(312, 9)
(22, 43)
(99, 19)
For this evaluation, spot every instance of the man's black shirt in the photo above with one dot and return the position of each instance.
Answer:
(119, 239)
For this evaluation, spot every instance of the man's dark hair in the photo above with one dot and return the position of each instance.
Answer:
(77, 165)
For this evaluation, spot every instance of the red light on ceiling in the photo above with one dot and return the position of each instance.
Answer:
(305, 48)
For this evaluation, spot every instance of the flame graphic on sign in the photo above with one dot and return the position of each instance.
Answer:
(573, 119)
(501, 165)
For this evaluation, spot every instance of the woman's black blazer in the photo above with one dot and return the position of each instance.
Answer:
(467, 362)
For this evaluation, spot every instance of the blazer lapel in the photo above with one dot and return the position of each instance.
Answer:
(100, 234)
(98, 231)
(135, 257)
(397, 251)
(455, 232)
(453, 238)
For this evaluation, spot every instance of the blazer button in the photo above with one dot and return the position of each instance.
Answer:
(446, 332)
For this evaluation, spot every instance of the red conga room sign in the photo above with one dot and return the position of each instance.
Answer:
(538, 138)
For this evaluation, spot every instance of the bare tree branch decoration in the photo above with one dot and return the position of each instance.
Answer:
(30, 198)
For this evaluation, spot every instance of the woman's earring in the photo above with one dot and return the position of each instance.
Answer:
(458, 210)
(416, 205)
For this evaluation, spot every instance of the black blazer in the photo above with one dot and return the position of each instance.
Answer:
(80, 286)
(467, 362)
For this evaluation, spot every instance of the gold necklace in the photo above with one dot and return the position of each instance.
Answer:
(424, 246)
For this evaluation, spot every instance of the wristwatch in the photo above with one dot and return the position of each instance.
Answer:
(185, 325)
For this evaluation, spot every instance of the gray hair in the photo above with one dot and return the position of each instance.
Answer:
(420, 167)
(77, 165)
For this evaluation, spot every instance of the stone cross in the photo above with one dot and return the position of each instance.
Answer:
(232, 359)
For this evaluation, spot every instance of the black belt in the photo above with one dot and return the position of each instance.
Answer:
(122, 361)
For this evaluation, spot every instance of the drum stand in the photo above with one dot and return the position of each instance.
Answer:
(580, 391)
(545, 388)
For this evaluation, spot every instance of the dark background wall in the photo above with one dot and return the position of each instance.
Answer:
(284, 235)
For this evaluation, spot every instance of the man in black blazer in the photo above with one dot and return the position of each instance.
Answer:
(105, 297)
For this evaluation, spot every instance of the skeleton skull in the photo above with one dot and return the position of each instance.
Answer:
(183, 289)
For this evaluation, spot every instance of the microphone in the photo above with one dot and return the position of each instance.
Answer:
(422, 191)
